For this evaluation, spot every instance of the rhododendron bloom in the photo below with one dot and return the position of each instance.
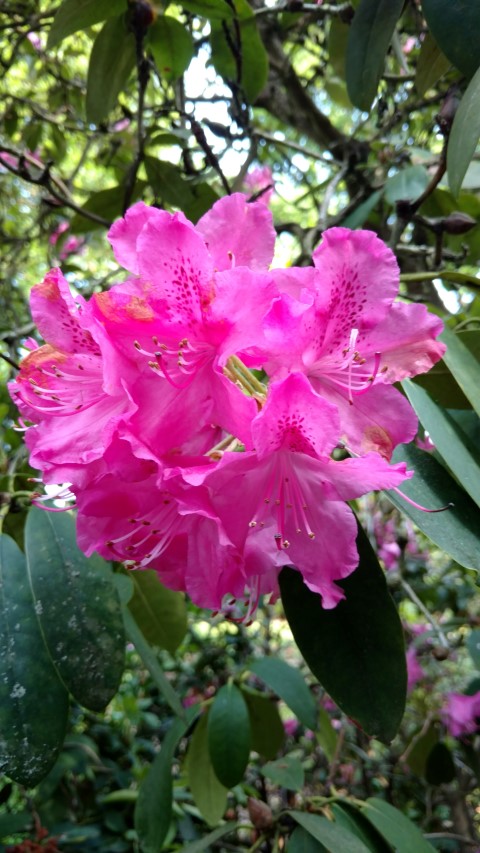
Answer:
(462, 713)
(180, 456)
(338, 324)
(415, 672)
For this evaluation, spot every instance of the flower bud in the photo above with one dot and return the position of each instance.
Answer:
(458, 223)
(260, 814)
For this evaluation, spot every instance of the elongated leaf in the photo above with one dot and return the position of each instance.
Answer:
(301, 841)
(457, 530)
(247, 63)
(352, 819)
(402, 834)
(289, 684)
(267, 732)
(473, 646)
(431, 66)
(112, 60)
(355, 650)
(464, 367)
(452, 443)
(407, 184)
(172, 47)
(420, 748)
(370, 35)
(209, 794)
(326, 735)
(107, 204)
(440, 767)
(74, 15)
(161, 613)
(202, 843)
(287, 772)
(333, 836)
(456, 29)
(33, 701)
(229, 735)
(77, 607)
(153, 810)
(464, 135)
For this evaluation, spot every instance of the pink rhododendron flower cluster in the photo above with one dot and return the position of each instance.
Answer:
(195, 407)
(461, 713)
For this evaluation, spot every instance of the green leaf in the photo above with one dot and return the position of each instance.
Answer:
(301, 841)
(112, 60)
(153, 809)
(160, 613)
(107, 204)
(358, 217)
(326, 734)
(287, 772)
(464, 367)
(205, 842)
(331, 835)
(352, 819)
(440, 768)
(214, 10)
(452, 443)
(473, 646)
(457, 530)
(171, 45)
(402, 834)
(74, 15)
(407, 184)
(456, 29)
(464, 135)
(33, 701)
(209, 794)
(77, 607)
(420, 748)
(267, 732)
(370, 35)
(355, 650)
(229, 735)
(432, 64)
(248, 64)
(289, 684)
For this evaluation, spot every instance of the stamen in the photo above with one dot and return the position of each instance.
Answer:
(419, 506)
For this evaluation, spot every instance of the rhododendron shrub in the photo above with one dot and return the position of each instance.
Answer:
(196, 407)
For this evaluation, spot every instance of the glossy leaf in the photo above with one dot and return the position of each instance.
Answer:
(160, 613)
(33, 700)
(355, 650)
(153, 809)
(171, 45)
(407, 184)
(77, 607)
(398, 830)
(457, 530)
(209, 794)
(351, 818)
(331, 835)
(431, 66)
(370, 35)
(204, 843)
(464, 367)
(112, 60)
(440, 767)
(301, 841)
(464, 134)
(267, 732)
(248, 64)
(229, 735)
(452, 443)
(287, 772)
(289, 684)
(456, 29)
(74, 15)
(473, 646)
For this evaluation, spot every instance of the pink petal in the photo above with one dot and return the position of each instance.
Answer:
(124, 233)
(238, 233)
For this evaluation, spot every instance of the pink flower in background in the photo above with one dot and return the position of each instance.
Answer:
(71, 245)
(415, 672)
(260, 180)
(461, 713)
(180, 456)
